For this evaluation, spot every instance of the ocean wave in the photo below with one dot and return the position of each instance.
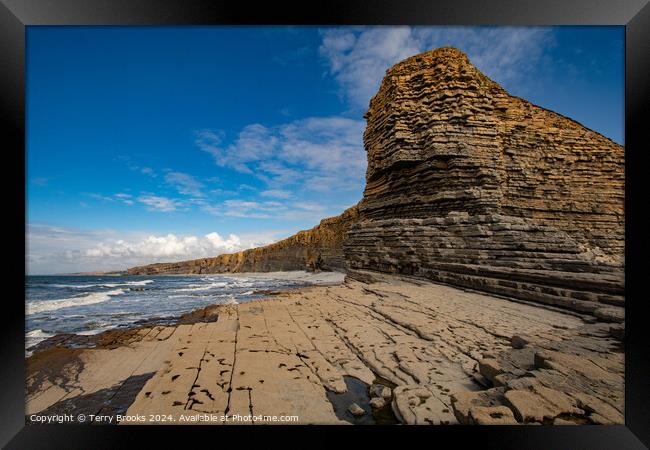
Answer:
(129, 283)
(192, 289)
(202, 287)
(33, 337)
(81, 286)
(38, 334)
(52, 305)
(95, 331)
(230, 300)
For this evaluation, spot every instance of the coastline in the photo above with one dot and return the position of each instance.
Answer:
(483, 284)
(431, 354)
(78, 292)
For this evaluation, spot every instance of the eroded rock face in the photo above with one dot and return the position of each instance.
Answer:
(318, 248)
(471, 186)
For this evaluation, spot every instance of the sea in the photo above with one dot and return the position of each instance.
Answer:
(91, 304)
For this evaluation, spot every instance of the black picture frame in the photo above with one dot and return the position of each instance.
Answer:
(634, 15)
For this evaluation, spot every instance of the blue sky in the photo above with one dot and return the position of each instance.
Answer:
(153, 144)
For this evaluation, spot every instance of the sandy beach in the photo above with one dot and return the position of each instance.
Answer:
(393, 350)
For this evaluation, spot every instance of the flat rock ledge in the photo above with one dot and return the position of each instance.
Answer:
(443, 355)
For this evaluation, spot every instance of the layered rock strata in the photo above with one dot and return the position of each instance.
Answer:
(471, 186)
(318, 248)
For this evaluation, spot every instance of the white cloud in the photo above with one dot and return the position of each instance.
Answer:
(185, 184)
(156, 203)
(52, 249)
(309, 206)
(218, 242)
(167, 246)
(120, 196)
(325, 144)
(278, 174)
(251, 209)
(358, 58)
(291, 154)
(241, 204)
(254, 143)
(124, 198)
(136, 168)
(148, 171)
(317, 158)
(279, 210)
(276, 193)
(97, 196)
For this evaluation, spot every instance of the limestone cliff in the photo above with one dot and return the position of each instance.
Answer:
(471, 186)
(317, 248)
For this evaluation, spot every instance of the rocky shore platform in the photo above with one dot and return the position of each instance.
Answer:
(387, 350)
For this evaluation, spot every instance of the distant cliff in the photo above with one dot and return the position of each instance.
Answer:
(471, 186)
(318, 248)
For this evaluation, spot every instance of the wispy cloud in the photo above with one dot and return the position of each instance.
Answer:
(324, 144)
(246, 209)
(157, 203)
(124, 198)
(185, 184)
(255, 142)
(119, 197)
(276, 193)
(294, 154)
(40, 181)
(148, 171)
(98, 196)
(310, 206)
(136, 167)
(270, 209)
(359, 57)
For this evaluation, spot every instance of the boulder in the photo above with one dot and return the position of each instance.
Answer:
(381, 391)
(356, 410)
